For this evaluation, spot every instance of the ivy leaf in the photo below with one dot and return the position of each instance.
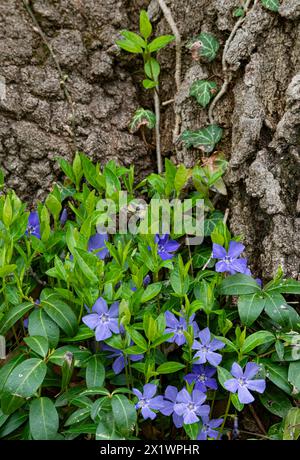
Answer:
(238, 12)
(205, 45)
(203, 91)
(203, 139)
(142, 117)
(272, 5)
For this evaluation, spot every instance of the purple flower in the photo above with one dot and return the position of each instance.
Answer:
(207, 348)
(63, 217)
(202, 376)
(121, 359)
(33, 225)
(208, 428)
(229, 261)
(178, 326)
(168, 406)
(165, 246)
(243, 382)
(148, 401)
(190, 406)
(96, 245)
(259, 282)
(103, 320)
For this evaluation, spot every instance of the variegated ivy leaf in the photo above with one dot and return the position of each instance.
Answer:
(204, 139)
(203, 91)
(272, 5)
(204, 45)
(142, 117)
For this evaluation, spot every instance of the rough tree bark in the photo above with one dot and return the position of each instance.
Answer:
(260, 112)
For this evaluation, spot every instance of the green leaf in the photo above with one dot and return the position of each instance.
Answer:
(60, 313)
(124, 412)
(236, 402)
(10, 403)
(180, 284)
(294, 375)
(291, 429)
(26, 378)
(169, 367)
(152, 69)
(272, 5)
(207, 46)
(43, 419)
(81, 258)
(107, 432)
(7, 270)
(95, 391)
(203, 91)
(95, 372)
(13, 315)
(38, 344)
(288, 286)
(181, 177)
(280, 312)
(223, 375)
(238, 12)
(145, 25)
(7, 368)
(67, 370)
(256, 339)
(239, 284)
(78, 416)
(160, 42)
(192, 430)
(150, 292)
(66, 168)
(142, 117)
(148, 84)
(278, 374)
(150, 326)
(134, 38)
(137, 338)
(250, 307)
(13, 423)
(40, 324)
(84, 333)
(129, 46)
(276, 401)
(204, 139)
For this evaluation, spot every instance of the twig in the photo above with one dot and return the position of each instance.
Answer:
(169, 18)
(67, 94)
(227, 74)
(257, 419)
(157, 131)
(226, 216)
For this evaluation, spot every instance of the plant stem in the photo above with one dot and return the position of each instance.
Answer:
(225, 415)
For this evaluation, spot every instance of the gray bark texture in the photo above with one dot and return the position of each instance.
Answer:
(78, 91)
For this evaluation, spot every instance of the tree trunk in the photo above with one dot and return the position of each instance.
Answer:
(41, 117)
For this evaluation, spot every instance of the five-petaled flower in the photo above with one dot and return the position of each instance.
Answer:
(202, 376)
(121, 359)
(168, 405)
(147, 401)
(190, 406)
(165, 246)
(208, 428)
(33, 225)
(178, 326)
(230, 261)
(103, 320)
(206, 349)
(243, 382)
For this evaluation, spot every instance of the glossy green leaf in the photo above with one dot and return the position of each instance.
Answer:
(151, 291)
(291, 429)
(204, 139)
(170, 367)
(276, 401)
(160, 42)
(239, 284)
(42, 325)
(26, 378)
(43, 419)
(60, 313)
(38, 344)
(13, 315)
(124, 412)
(256, 339)
(272, 5)
(142, 117)
(95, 372)
(250, 307)
(145, 25)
